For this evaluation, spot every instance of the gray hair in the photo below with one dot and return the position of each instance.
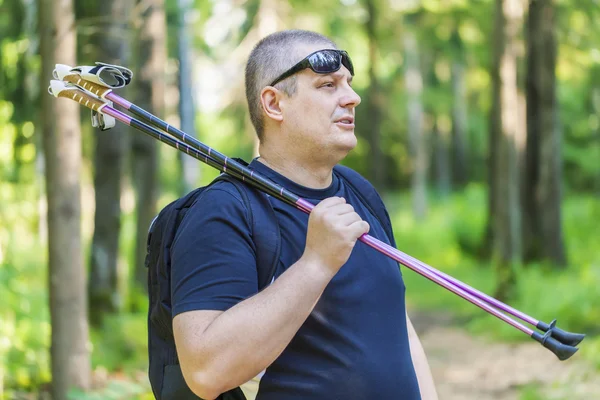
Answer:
(271, 56)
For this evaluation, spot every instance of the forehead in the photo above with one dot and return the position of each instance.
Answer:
(301, 50)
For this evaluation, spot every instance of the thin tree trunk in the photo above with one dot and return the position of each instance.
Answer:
(189, 166)
(542, 199)
(150, 96)
(443, 171)
(109, 160)
(32, 31)
(493, 149)
(507, 215)
(69, 350)
(374, 95)
(494, 131)
(417, 137)
(460, 165)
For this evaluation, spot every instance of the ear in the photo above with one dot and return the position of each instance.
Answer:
(270, 99)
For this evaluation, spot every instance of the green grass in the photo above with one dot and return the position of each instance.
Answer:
(116, 389)
(531, 392)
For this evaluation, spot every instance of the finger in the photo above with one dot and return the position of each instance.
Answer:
(349, 218)
(359, 228)
(340, 209)
(331, 201)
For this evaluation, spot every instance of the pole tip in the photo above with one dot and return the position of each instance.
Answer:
(561, 350)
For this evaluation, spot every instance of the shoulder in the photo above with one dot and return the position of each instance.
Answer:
(220, 197)
(356, 180)
(218, 207)
(352, 175)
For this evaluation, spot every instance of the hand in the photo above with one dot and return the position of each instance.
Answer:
(333, 228)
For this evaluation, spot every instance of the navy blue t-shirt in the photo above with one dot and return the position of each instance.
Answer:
(353, 346)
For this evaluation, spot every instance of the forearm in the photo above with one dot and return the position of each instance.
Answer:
(247, 338)
(424, 376)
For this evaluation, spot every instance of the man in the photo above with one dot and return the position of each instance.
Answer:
(332, 325)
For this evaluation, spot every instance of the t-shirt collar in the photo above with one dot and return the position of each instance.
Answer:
(302, 191)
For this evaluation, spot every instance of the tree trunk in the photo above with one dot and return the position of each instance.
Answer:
(507, 215)
(417, 137)
(460, 165)
(443, 171)
(542, 199)
(494, 130)
(374, 105)
(109, 160)
(69, 350)
(189, 166)
(150, 96)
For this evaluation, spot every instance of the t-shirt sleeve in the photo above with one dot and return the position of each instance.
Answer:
(213, 260)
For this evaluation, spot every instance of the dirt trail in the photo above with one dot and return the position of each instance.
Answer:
(467, 367)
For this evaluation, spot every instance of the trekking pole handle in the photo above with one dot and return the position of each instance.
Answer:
(60, 89)
(98, 90)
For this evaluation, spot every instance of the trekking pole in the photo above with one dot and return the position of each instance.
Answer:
(230, 166)
(568, 338)
(89, 79)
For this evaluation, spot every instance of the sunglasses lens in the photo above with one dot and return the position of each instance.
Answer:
(347, 62)
(325, 62)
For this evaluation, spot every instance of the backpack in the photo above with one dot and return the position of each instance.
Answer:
(165, 374)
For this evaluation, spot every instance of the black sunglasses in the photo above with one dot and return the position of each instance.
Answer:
(322, 62)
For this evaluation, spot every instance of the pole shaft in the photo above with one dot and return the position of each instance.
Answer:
(196, 143)
(214, 158)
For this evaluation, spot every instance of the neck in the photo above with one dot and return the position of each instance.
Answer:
(309, 173)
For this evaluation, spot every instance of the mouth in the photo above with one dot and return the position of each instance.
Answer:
(345, 122)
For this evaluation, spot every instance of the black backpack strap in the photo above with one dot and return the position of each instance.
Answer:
(267, 239)
(369, 196)
(160, 237)
(265, 229)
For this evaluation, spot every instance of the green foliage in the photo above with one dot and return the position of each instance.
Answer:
(448, 239)
(531, 392)
(437, 242)
(121, 344)
(581, 149)
(593, 351)
(569, 295)
(24, 318)
(116, 389)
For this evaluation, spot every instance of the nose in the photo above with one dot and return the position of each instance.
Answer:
(350, 98)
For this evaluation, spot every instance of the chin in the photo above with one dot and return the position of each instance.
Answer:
(344, 146)
(348, 141)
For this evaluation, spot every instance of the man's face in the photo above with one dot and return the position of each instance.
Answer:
(319, 118)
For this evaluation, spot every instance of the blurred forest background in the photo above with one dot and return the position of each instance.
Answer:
(480, 125)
